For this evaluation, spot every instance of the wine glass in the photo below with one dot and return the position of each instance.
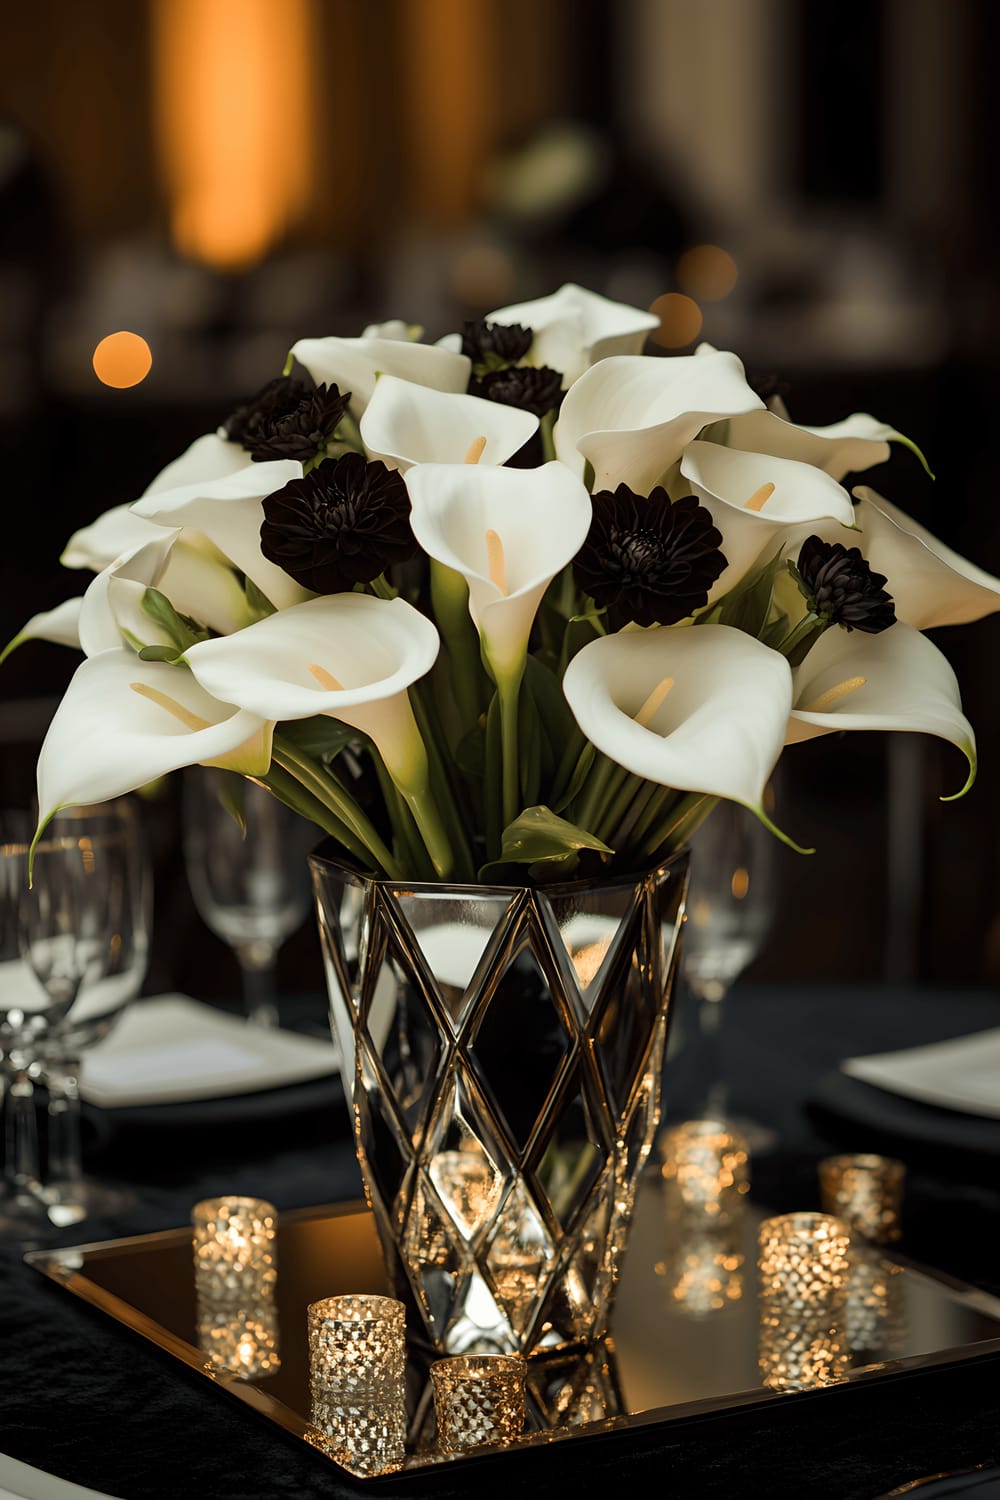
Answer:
(245, 855)
(84, 933)
(730, 907)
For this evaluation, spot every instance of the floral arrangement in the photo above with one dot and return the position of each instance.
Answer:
(517, 606)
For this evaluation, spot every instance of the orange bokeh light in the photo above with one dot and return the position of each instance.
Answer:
(122, 359)
(707, 272)
(680, 320)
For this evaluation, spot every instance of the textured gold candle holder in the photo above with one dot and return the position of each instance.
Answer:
(804, 1262)
(799, 1351)
(356, 1343)
(705, 1270)
(363, 1431)
(478, 1398)
(875, 1312)
(235, 1248)
(706, 1168)
(865, 1191)
(240, 1340)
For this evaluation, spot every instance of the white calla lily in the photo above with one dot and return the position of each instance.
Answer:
(59, 626)
(573, 328)
(346, 655)
(632, 418)
(112, 614)
(752, 497)
(930, 584)
(209, 457)
(409, 424)
(719, 723)
(228, 512)
(396, 329)
(508, 532)
(857, 443)
(116, 532)
(123, 722)
(355, 365)
(897, 679)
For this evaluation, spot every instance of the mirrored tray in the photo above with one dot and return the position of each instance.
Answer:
(688, 1335)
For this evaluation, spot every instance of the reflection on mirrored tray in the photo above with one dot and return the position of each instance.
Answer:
(293, 1314)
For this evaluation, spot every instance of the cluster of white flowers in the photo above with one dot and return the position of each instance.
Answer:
(199, 648)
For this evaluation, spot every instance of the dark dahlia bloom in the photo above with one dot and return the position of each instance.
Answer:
(840, 586)
(495, 344)
(344, 523)
(652, 561)
(534, 390)
(287, 419)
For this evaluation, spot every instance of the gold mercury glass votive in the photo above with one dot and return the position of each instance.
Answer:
(478, 1398)
(800, 1350)
(706, 1168)
(235, 1248)
(866, 1191)
(803, 1261)
(356, 1342)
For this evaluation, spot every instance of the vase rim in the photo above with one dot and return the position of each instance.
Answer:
(322, 861)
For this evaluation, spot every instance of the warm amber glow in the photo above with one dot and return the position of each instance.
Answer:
(707, 272)
(680, 320)
(740, 883)
(233, 91)
(122, 359)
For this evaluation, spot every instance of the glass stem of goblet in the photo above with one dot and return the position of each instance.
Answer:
(257, 964)
(22, 1168)
(710, 1003)
(62, 1075)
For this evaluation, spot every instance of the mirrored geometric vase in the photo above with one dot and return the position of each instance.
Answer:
(503, 1055)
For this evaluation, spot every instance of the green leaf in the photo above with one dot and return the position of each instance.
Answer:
(181, 629)
(160, 653)
(470, 752)
(549, 845)
(321, 737)
(747, 606)
(544, 688)
(579, 776)
(258, 603)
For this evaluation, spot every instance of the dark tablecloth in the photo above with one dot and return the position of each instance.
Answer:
(83, 1398)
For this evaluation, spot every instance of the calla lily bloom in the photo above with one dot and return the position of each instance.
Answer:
(346, 655)
(895, 680)
(118, 531)
(409, 424)
(208, 457)
(228, 513)
(575, 328)
(123, 722)
(931, 584)
(633, 417)
(355, 365)
(508, 532)
(851, 446)
(59, 626)
(752, 497)
(702, 709)
(112, 614)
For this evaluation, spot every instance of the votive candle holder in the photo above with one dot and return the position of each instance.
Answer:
(478, 1399)
(235, 1247)
(866, 1192)
(706, 1168)
(356, 1342)
(803, 1261)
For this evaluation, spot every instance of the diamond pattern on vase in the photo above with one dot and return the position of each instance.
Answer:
(575, 1391)
(591, 926)
(504, 1097)
(452, 933)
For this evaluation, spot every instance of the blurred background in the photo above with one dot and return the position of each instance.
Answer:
(808, 182)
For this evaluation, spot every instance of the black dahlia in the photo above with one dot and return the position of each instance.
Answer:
(840, 587)
(491, 346)
(652, 561)
(535, 390)
(287, 419)
(344, 523)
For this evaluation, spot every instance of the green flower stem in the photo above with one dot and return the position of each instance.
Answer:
(382, 588)
(621, 796)
(450, 605)
(407, 843)
(575, 746)
(509, 692)
(546, 428)
(679, 823)
(425, 713)
(599, 783)
(798, 640)
(621, 835)
(662, 798)
(420, 800)
(294, 795)
(305, 770)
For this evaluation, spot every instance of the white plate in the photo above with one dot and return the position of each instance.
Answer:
(961, 1074)
(172, 1049)
(20, 1481)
